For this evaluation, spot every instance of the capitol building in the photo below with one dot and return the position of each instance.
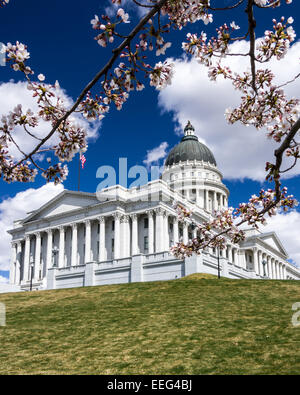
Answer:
(121, 235)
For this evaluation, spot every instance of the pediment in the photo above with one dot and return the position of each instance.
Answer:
(65, 202)
(273, 241)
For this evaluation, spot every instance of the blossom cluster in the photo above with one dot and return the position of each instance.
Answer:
(3, 2)
(276, 42)
(182, 12)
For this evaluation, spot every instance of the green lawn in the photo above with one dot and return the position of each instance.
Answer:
(196, 325)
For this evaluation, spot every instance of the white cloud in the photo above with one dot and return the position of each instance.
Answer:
(12, 94)
(241, 152)
(157, 153)
(17, 207)
(287, 228)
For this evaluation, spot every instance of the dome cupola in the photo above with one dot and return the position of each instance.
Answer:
(190, 149)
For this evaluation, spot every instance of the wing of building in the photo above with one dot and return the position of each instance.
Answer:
(120, 235)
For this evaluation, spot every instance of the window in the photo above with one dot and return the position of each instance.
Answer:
(146, 243)
(192, 174)
(98, 228)
(112, 245)
(113, 225)
(146, 223)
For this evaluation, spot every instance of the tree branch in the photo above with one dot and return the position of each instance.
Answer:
(116, 52)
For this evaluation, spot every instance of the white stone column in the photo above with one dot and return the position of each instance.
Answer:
(13, 263)
(49, 248)
(123, 236)
(26, 258)
(206, 204)
(134, 223)
(159, 230)
(235, 256)
(229, 248)
(101, 252)
(280, 270)
(150, 232)
(166, 232)
(268, 266)
(175, 230)
(255, 260)
(74, 258)
(283, 272)
(273, 268)
(18, 263)
(215, 203)
(261, 264)
(37, 258)
(276, 270)
(87, 255)
(261, 269)
(61, 254)
(117, 217)
(195, 232)
(185, 233)
(127, 238)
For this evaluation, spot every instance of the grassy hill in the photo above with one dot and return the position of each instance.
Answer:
(195, 325)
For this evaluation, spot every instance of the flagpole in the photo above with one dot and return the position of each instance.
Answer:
(79, 162)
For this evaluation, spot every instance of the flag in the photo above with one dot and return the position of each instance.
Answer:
(82, 159)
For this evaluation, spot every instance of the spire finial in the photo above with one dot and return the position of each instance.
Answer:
(189, 129)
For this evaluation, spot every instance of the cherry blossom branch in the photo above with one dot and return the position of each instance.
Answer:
(116, 53)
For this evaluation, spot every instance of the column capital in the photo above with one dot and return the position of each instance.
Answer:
(150, 212)
(49, 231)
(87, 221)
(27, 237)
(125, 219)
(117, 215)
(159, 211)
(101, 219)
(74, 225)
(61, 228)
(134, 216)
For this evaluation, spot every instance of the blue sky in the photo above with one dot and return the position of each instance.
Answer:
(60, 39)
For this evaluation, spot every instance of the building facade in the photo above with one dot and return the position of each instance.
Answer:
(120, 235)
